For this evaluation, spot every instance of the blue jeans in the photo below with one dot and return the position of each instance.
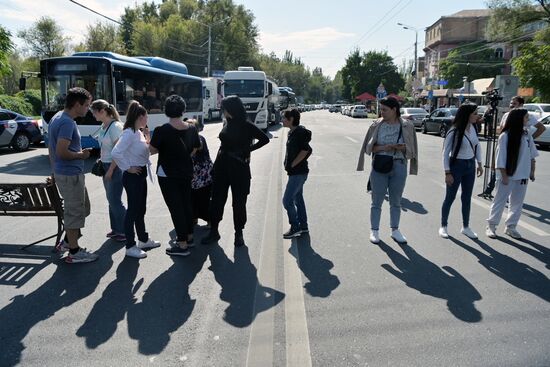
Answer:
(113, 190)
(464, 174)
(293, 201)
(392, 183)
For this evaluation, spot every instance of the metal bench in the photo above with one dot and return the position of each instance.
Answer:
(33, 200)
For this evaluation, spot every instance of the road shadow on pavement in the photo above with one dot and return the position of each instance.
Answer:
(241, 287)
(166, 304)
(510, 270)
(539, 252)
(69, 283)
(536, 213)
(413, 206)
(315, 268)
(17, 266)
(419, 273)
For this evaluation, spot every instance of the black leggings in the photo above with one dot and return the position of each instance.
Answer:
(230, 173)
(136, 193)
(177, 196)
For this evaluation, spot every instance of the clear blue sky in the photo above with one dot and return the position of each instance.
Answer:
(321, 33)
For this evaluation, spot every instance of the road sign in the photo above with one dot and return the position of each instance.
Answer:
(442, 82)
(218, 73)
(381, 89)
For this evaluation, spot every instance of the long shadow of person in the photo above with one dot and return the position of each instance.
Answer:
(446, 283)
(165, 305)
(539, 252)
(314, 266)
(413, 206)
(241, 287)
(534, 212)
(67, 285)
(514, 272)
(109, 310)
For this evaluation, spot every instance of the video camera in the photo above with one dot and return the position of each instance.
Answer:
(493, 96)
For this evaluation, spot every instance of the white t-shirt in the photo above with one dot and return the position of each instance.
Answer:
(108, 140)
(527, 152)
(466, 152)
(532, 120)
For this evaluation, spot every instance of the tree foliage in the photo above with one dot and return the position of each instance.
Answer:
(363, 72)
(102, 37)
(44, 38)
(533, 66)
(509, 17)
(6, 48)
(472, 62)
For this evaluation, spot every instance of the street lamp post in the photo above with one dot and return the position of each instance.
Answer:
(415, 30)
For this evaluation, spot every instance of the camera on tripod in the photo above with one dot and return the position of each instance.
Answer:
(492, 96)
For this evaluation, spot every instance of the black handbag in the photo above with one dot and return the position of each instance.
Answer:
(98, 169)
(384, 163)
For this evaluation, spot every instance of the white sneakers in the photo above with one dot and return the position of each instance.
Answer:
(374, 236)
(490, 231)
(148, 245)
(137, 250)
(512, 232)
(467, 231)
(398, 237)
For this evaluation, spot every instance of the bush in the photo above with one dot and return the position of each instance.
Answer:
(16, 104)
(33, 97)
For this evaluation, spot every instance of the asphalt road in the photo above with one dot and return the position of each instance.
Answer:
(328, 299)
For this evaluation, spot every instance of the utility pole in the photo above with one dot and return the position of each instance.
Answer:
(209, 48)
(415, 30)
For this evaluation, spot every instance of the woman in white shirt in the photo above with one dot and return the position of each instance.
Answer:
(131, 154)
(109, 133)
(461, 151)
(515, 165)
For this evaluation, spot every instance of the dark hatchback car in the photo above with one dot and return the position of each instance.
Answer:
(439, 121)
(18, 131)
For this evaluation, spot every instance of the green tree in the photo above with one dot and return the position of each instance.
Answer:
(10, 81)
(508, 17)
(102, 37)
(44, 38)
(130, 16)
(6, 48)
(352, 73)
(470, 61)
(533, 65)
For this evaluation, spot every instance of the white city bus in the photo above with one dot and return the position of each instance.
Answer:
(117, 79)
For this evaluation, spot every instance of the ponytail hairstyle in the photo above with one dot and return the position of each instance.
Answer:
(135, 110)
(515, 130)
(294, 114)
(101, 104)
(460, 123)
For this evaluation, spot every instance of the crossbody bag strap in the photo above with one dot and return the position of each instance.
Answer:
(471, 145)
(399, 136)
(106, 131)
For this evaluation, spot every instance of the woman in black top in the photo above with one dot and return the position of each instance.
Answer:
(176, 141)
(232, 169)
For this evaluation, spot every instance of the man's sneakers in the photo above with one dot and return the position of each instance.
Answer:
(178, 251)
(398, 237)
(62, 247)
(467, 231)
(443, 232)
(82, 256)
(148, 245)
(512, 232)
(491, 231)
(136, 252)
(292, 233)
(374, 236)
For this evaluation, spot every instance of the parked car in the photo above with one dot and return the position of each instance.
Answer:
(540, 110)
(415, 115)
(544, 139)
(439, 121)
(18, 131)
(358, 111)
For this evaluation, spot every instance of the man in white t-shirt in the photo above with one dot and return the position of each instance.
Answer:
(517, 102)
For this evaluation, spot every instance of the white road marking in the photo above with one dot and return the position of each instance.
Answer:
(483, 204)
(352, 139)
(298, 353)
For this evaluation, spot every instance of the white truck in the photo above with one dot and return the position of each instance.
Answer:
(212, 98)
(255, 90)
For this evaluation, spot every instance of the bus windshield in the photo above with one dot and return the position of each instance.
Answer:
(62, 75)
(244, 88)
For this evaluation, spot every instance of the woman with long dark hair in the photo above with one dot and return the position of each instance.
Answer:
(515, 165)
(461, 150)
(232, 168)
(131, 154)
(393, 141)
(175, 142)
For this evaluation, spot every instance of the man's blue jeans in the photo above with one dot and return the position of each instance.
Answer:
(293, 201)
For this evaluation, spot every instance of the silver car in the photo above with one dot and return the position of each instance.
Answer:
(415, 115)
(544, 139)
(358, 111)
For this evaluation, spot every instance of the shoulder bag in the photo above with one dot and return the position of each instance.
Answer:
(383, 163)
(98, 169)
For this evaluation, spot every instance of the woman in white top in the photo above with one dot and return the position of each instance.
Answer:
(109, 133)
(461, 151)
(131, 154)
(515, 165)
